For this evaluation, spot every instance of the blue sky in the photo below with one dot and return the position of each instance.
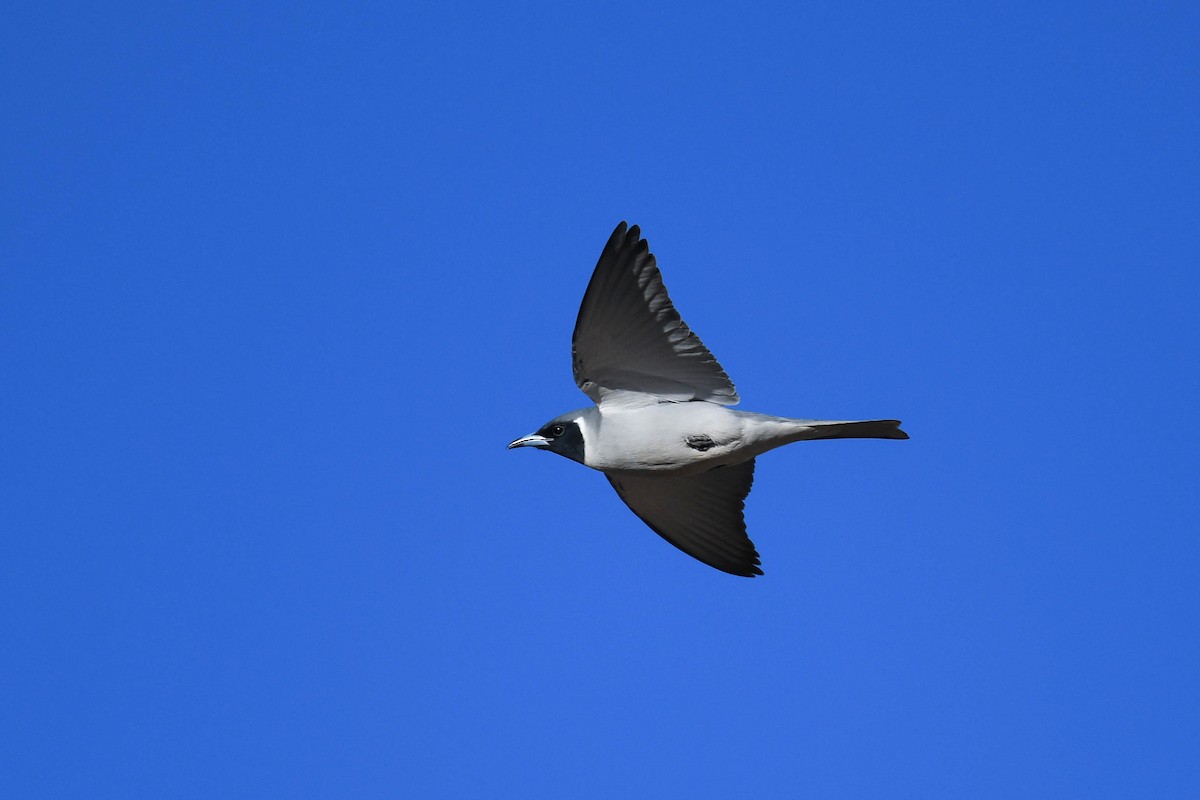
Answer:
(279, 283)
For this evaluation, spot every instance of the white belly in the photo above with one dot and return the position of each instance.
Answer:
(666, 439)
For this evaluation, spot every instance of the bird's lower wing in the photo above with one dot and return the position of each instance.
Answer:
(699, 514)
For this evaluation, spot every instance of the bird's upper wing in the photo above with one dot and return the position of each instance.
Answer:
(629, 337)
(699, 514)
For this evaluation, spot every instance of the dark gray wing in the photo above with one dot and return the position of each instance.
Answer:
(699, 514)
(629, 337)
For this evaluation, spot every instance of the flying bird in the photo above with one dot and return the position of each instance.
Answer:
(662, 430)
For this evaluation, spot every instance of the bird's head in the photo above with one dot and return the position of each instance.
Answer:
(562, 435)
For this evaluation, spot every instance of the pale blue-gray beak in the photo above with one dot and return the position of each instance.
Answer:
(532, 440)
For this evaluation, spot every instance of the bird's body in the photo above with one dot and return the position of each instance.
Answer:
(672, 438)
(654, 439)
(661, 429)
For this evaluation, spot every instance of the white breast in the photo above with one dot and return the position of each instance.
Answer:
(653, 438)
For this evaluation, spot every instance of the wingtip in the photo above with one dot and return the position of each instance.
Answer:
(745, 570)
(625, 231)
(622, 236)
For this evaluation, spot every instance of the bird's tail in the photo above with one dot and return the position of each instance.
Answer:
(863, 429)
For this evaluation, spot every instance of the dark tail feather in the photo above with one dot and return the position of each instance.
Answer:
(867, 429)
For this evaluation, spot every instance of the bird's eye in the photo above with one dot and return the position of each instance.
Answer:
(557, 430)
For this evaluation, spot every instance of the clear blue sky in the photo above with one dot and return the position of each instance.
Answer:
(278, 284)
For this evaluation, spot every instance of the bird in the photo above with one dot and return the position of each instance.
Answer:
(662, 429)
